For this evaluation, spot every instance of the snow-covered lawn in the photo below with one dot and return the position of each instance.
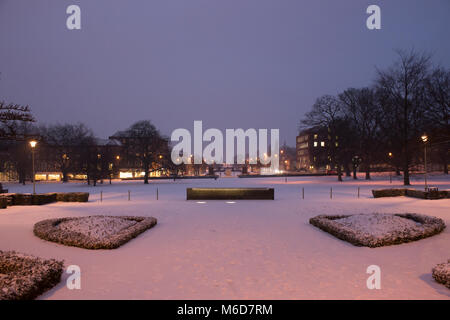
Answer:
(237, 249)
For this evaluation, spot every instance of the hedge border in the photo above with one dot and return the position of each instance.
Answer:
(326, 223)
(27, 276)
(440, 275)
(47, 230)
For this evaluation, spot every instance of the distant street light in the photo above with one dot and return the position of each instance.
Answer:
(33, 144)
(425, 140)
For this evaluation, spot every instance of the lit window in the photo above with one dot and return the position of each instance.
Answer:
(315, 143)
(322, 143)
(337, 144)
(315, 136)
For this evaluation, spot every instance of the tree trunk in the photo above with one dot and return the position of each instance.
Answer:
(368, 172)
(146, 173)
(339, 172)
(347, 170)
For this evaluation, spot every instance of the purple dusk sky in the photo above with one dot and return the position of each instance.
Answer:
(230, 63)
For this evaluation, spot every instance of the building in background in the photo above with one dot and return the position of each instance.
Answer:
(312, 150)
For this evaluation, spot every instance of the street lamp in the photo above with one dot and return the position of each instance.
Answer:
(33, 144)
(425, 140)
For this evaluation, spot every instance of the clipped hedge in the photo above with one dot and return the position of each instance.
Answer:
(431, 226)
(3, 202)
(24, 277)
(20, 199)
(43, 198)
(48, 230)
(388, 193)
(72, 196)
(421, 194)
(441, 273)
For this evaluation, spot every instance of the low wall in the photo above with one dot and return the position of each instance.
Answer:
(230, 194)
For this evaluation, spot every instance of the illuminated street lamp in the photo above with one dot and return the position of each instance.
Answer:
(425, 140)
(33, 144)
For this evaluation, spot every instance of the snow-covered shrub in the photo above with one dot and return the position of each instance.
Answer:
(93, 232)
(72, 196)
(24, 277)
(378, 229)
(441, 273)
(388, 193)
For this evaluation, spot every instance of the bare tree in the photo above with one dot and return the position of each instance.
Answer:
(403, 85)
(65, 142)
(438, 113)
(10, 115)
(143, 143)
(327, 112)
(360, 107)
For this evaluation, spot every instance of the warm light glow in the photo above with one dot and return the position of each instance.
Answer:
(125, 175)
(424, 138)
(33, 143)
(390, 154)
(160, 156)
(118, 157)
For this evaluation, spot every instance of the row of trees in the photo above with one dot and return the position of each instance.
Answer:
(387, 120)
(73, 149)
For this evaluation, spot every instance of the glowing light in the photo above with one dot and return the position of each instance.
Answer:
(125, 175)
(424, 138)
(201, 202)
(33, 143)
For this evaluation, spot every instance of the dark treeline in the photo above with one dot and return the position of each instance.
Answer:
(74, 151)
(384, 123)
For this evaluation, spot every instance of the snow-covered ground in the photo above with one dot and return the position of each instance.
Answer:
(238, 249)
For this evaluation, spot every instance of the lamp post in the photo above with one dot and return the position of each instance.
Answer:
(390, 155)
(425, 140)
(33, 144)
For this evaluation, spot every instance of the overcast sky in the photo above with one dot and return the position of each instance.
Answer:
(231, 63)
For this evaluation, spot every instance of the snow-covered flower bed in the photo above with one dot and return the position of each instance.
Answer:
(379, 229)
(93, 232)
(441, 273)
(24, 277)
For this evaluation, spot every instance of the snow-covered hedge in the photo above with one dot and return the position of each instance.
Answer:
(24, 277)
(421, 194)
(93, 232)
(441, 273)
(72, 196)
(377, 229)
(3, 202)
